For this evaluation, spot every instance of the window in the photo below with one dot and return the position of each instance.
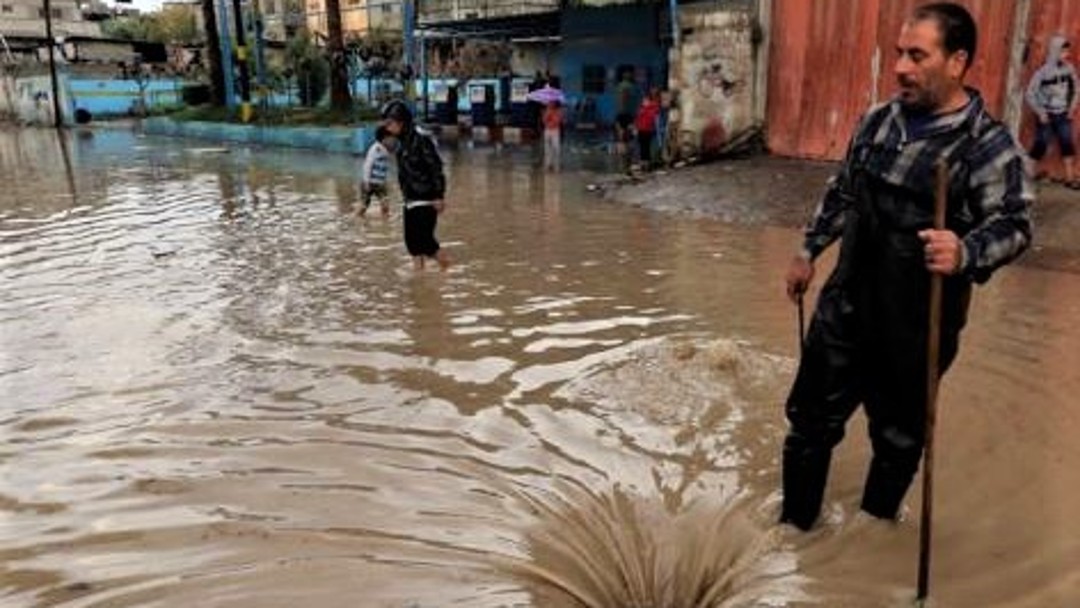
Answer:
(57, 13)
(6, 8)
(593, 79)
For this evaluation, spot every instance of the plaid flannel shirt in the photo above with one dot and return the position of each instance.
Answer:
(996, 195)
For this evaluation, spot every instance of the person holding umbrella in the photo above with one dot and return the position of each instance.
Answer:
(869, 336)
(552, 99)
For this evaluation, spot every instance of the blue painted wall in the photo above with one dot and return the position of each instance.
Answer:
(119, 97)
(649, 64)
(610, 36)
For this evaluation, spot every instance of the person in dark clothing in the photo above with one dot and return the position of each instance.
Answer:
(423, 184)
(867, 341)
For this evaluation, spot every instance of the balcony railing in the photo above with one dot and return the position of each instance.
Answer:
(438, 11)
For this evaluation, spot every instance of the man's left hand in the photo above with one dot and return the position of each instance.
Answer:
(943, 251)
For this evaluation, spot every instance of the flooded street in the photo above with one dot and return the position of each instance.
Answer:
(221, 388)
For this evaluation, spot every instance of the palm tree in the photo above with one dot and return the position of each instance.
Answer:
(213, 54)
(339, 71)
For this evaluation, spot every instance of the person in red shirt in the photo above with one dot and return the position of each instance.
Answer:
(645, 124)
(552, 119)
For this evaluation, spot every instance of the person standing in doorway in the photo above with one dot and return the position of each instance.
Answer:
(868, 338)
(423, 184)
(1053, 96)
(553, 118)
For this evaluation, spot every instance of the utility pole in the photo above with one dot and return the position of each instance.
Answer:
(58, 116)
(260, 47)
(226, 54)
(213, 52)
(242, 64)
(408, 16)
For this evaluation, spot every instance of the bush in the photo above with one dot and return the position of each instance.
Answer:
(310, 69)
(195, 94)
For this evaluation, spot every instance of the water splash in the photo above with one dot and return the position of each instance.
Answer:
(617, 549)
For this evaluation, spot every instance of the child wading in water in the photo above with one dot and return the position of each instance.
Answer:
(423, 184)
(375, 172)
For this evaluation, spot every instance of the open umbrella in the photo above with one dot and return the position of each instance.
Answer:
(546, 95)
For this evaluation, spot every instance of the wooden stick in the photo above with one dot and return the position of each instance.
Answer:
(941, 188)
(802, 327)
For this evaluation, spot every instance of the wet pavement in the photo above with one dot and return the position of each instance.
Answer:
(222, 388)
(783, 192)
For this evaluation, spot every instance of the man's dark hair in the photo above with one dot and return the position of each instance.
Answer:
(381, 133)
(958, 30)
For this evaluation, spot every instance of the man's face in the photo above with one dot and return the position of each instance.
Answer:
(926, 74)
(394, 126)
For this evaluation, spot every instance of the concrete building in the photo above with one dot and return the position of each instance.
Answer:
(465, 10)
(358, 17)
(25, 20)
(281, 18)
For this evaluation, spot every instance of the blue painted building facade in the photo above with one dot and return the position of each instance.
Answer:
(599, 45)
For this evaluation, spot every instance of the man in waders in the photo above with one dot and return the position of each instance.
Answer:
(867, 342)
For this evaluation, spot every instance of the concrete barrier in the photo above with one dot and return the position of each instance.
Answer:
(344, 140)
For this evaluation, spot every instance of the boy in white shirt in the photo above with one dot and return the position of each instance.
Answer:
(376, 171)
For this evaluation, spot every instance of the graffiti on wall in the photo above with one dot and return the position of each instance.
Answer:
(7, 97)
(714, 72)
(32, 101)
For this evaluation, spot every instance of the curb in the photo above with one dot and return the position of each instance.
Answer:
(341, 140)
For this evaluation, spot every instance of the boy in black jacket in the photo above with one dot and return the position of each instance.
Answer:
(423, 184)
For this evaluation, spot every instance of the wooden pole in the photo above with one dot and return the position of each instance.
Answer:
(941, 188)
(58, 115)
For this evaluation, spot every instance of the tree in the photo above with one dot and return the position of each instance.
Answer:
(308, 66)
(339, 69)
(213, 54)
(177, 25)
(172, 25)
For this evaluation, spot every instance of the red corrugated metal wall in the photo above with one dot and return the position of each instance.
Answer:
(1047, 17)
(821, 72)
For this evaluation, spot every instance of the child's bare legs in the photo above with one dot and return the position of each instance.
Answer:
(440, 257)
(1070, 172)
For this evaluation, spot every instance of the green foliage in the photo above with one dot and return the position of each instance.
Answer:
(172, 25)
(306, 65)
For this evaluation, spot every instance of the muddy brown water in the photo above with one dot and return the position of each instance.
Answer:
(219, 388)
